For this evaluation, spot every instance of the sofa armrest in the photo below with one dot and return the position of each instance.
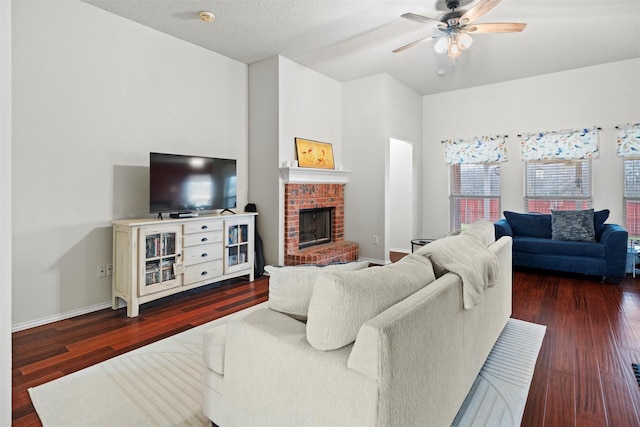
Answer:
(503, 228)
(615, 241)
(273, 376)
(213, 348)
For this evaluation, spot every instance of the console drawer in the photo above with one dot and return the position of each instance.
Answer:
(202, 238)
(204, 271)
(202, 253)
(201, 227)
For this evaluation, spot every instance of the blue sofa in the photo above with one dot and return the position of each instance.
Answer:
(534, 247)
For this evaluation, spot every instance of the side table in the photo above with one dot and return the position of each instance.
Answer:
(632, 257)
(419, 242)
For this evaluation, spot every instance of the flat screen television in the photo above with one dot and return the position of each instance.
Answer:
(181, 184)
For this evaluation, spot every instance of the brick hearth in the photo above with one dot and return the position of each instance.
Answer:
(309, 196)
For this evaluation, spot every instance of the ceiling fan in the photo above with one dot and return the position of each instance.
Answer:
(457, 25)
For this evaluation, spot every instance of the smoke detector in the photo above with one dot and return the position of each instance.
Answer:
(206, 16)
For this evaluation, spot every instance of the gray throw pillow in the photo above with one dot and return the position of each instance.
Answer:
(573, 225)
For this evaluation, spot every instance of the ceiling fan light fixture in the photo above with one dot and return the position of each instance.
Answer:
(464, 40)
(442, 45)
(454, 49)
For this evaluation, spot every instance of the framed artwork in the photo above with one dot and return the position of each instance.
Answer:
(314, 154)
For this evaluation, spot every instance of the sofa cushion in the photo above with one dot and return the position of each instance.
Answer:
(343, 302)
(529, 224)
(534, 245)
(290, 288)
(573, 225)
(599, 218)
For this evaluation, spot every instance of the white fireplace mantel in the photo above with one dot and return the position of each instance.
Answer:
(298, 175)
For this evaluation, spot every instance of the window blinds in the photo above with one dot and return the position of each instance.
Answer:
(558, 185)
(474, 194)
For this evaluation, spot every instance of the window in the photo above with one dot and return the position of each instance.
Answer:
(632, 197)
(558, 185)
(474, 193)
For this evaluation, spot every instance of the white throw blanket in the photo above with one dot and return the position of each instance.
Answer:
(467, 257)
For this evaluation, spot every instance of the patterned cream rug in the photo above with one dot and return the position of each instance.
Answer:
(161, 384)
(499, 394)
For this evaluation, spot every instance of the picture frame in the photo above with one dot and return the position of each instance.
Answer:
(314, 154)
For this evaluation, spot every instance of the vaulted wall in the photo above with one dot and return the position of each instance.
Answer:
(605, 95)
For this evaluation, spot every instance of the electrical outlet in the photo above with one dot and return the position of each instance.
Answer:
(375, 240)
(109, 270)
(102, 271)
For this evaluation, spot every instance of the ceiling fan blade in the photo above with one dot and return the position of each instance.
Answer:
(422, 19)
(478, 10)
(498, 27)
(415, 43)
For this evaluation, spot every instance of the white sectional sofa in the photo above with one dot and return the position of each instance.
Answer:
(383, 346)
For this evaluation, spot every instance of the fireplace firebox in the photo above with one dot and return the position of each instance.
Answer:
(315, 226)
(299, 197)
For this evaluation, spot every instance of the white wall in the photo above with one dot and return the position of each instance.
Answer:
(364, 133)
(376, 109)
(5, 213)
(604, 95)
(311, 108)
(264, 156)
(114, 90)
(358, 118)
(93, 93)
(300, 103)
(401, 210)
(404, 122)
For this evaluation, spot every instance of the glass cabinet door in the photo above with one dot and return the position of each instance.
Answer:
(160, 252)
(238, 245)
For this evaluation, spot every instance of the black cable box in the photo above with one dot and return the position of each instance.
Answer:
(183, 215)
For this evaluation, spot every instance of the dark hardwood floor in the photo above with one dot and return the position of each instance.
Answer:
(583, 375)
(51, 351)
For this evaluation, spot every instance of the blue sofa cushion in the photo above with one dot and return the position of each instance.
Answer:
(539, 225)
(599, 217)
(533, 245)
(529, 225)
(575, 226)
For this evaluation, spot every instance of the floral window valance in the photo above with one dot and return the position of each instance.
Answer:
(628, 140)
(484, 149)
(572, 144)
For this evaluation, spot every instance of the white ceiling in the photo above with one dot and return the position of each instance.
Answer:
(350, 39)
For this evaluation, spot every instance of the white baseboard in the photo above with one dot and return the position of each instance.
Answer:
(62, 316)
(400, 250)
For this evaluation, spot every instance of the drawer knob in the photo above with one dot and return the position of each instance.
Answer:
(204, 255)
(204, 239)
(204, 227)
(204, 273)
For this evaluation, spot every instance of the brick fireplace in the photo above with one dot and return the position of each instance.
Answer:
(312, 196)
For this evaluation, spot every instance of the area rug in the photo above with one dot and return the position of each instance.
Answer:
(499, 394)
(161, 384)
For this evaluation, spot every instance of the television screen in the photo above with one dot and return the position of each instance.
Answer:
(180, 183)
